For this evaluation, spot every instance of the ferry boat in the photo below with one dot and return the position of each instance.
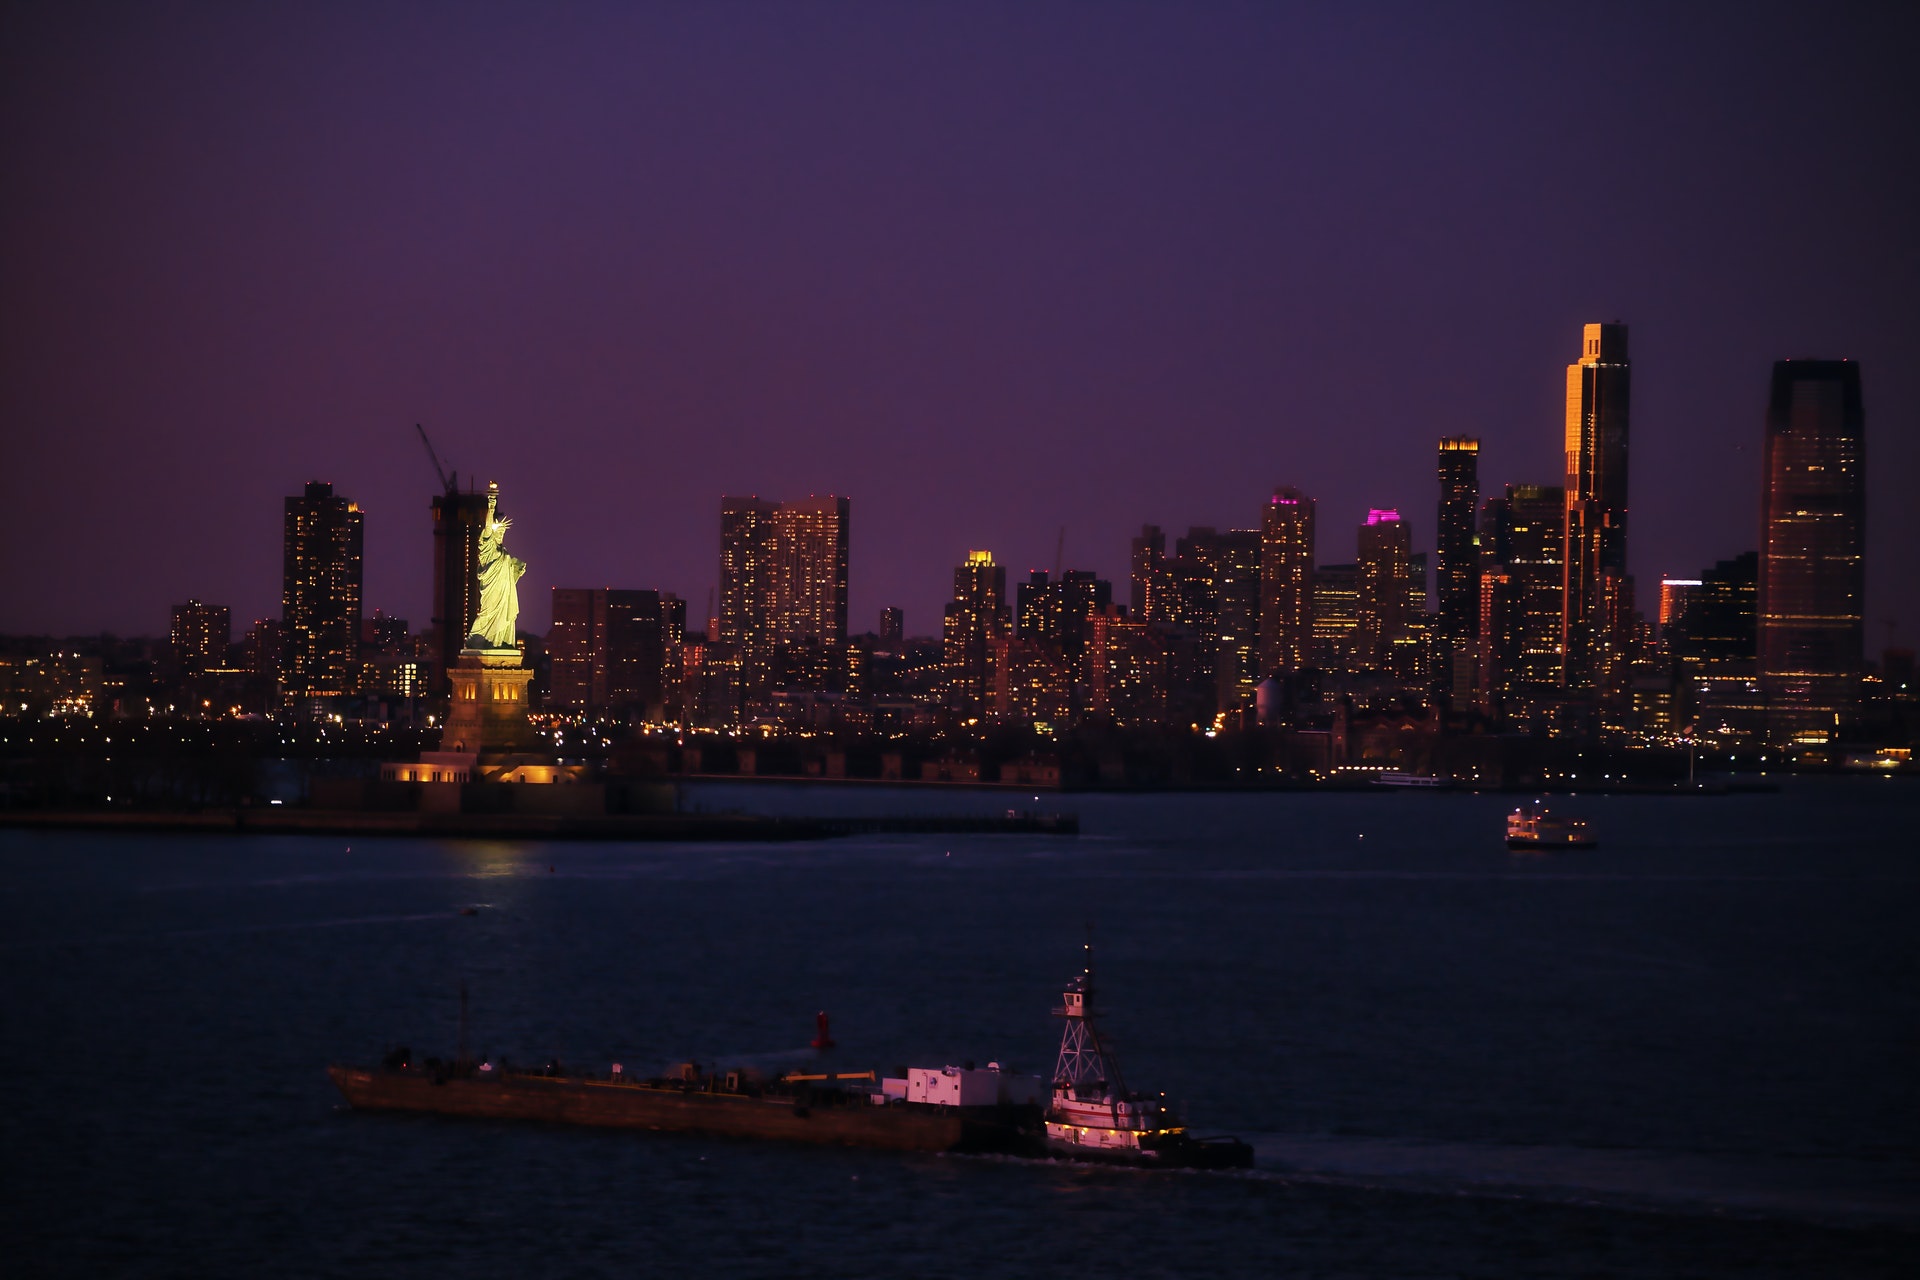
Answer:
(1532, 826)
(1094, 1116)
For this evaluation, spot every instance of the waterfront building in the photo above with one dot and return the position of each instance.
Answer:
(322, 538)
(783, 588)
(893, 632)
(458, 519)
(1286, 582)
(1496, 651)
(1676, 597)
(613, 652)
(200, 635)
(1336, 616)
(1457, 552)
(1057, 610)
(1056, 614)
(1153, 592)
(746, 587)
(1385, 566)
(1143, 674)
(1033, 680)
(262, 649)
(1713, 646)
(1594, 552)
(1812, 571)
(808, 612)
(1216, 580)
(976, 617)
(1522, 536)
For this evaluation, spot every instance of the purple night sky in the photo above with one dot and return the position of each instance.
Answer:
(986, 270)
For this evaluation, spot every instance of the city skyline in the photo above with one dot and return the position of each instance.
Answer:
(776, 515)
(1203, 256)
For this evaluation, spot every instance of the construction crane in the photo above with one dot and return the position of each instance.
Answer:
(449, 481)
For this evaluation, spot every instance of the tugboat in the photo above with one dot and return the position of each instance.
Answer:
(1094, 1116)
(1531, 826)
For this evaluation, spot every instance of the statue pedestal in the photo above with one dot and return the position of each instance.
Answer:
(488, 713)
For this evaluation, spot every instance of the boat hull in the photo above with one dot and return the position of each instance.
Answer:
(1190, 1153)
(619, 1105)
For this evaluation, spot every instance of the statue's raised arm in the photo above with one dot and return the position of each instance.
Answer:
(499, 578)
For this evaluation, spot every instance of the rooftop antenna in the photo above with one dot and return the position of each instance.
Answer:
(1059, 558)
(449, 481)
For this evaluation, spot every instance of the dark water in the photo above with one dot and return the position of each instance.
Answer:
(1691, 1051)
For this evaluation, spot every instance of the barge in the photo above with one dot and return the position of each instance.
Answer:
(1086, 1112)
(842, 1109)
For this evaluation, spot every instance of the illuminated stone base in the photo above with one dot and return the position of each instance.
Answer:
(488, 714)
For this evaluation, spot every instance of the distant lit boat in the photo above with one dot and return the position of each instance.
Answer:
(1394, 778)
(1531, 826)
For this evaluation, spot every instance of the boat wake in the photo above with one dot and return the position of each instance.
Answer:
(1818, 1191)
(1827, 1191)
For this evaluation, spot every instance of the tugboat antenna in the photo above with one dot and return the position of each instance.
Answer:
(463, 1024)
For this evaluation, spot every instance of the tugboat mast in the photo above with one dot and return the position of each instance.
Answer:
(1083, 1059)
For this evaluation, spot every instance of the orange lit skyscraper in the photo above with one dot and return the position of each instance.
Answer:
(1599, 386)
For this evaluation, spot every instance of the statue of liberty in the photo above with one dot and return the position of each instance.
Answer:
(499, 577)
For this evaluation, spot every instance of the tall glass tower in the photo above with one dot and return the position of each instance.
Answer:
(1812, 585)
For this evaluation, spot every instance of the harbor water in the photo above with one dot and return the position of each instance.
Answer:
(1693, 1050)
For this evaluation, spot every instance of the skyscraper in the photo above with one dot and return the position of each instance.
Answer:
(1057, 610)
(1595, 552)
(746, 585)
(1286, 582)
(1714, 644)
(1522, 536)
(1385, 564)
(975, 619)
(1336, 616)
(611, 650)
(1676, 597)
(457, 521)
(199, 635)
(1454, 541)
(808, 612)
(577, 633)
(783, 587)
(320, 593)
(1152, 586)
(1812, 584)
(1216, 580)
